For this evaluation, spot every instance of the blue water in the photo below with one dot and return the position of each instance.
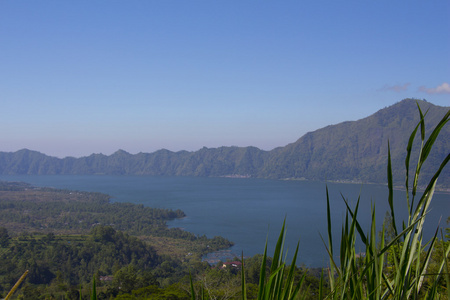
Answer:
(247, 211)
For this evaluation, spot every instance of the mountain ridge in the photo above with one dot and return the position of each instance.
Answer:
(347, 151)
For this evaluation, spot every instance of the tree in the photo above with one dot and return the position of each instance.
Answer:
(4, 237)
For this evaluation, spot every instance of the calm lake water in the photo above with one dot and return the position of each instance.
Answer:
(247, 211)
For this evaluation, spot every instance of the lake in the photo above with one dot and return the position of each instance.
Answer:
(246, 210)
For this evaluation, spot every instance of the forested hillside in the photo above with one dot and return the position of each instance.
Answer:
(24, 208)
(64, 238)
(349, 151)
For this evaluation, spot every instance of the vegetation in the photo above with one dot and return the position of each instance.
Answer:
(396, 264)
(398, 269)
(29, 209)
(63, 237)
(350, 151)
(46, 209)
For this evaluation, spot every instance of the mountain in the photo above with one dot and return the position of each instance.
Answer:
(349, 151)
(357, 150)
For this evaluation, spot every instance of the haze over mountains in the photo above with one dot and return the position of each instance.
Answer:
(348, 151)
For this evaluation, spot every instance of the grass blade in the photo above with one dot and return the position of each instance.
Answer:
(262, 274)
(330, 238)
(14, 288)
(353, 215)
(407, 159)
(94, 290)
(391, 190)
(244, 288)
(192, 287)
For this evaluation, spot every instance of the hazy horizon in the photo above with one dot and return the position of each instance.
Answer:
(120, 149)
(94, 77)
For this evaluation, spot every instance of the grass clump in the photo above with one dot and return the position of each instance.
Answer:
(405, 274)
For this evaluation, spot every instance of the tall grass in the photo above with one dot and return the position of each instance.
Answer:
(372, 277)
(279, 284)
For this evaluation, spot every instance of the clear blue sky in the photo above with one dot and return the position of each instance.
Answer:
(82, 77)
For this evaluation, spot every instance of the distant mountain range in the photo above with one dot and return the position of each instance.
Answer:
(349, 151)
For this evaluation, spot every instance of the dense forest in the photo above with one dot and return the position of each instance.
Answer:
(64, 238)
(66, 211)
(348, 151)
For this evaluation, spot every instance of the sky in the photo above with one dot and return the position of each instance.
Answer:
(82, 77)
